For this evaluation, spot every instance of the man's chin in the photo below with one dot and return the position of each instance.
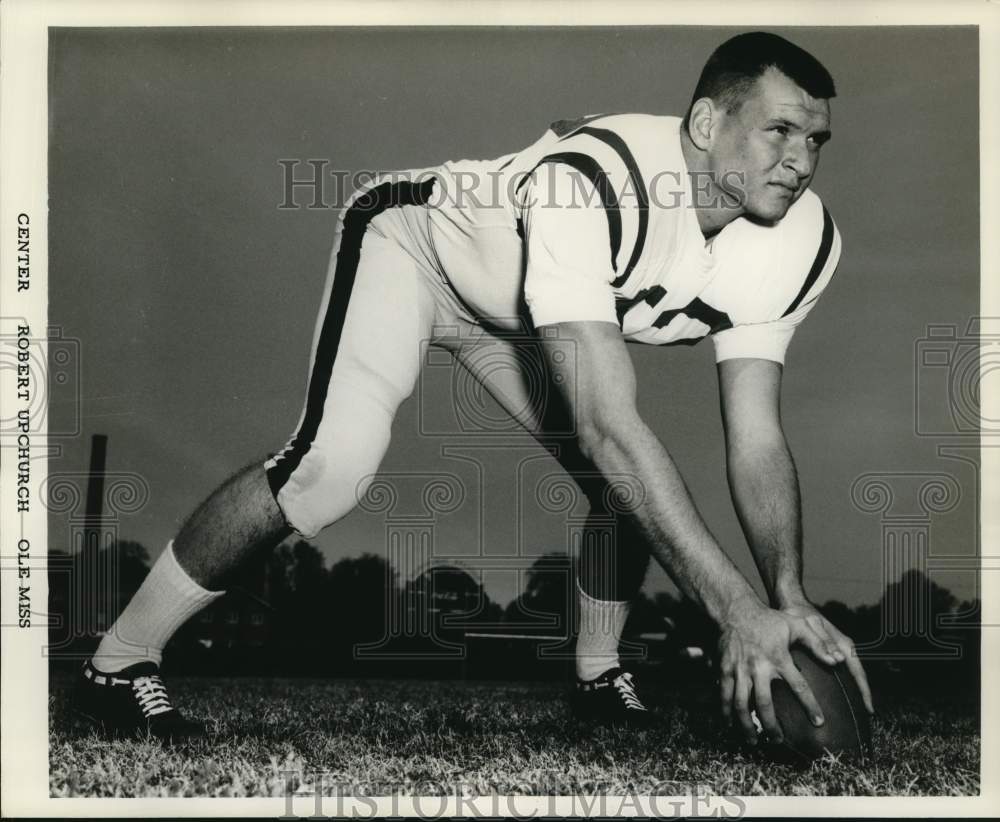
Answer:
(768, 213)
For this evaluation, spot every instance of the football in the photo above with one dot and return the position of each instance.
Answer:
(847, 729)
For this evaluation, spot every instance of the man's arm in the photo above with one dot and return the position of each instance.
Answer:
(762, 478)
(765, 492)
(595, 373)
(589, 363)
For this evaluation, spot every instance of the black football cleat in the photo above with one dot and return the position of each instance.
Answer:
(132, 702)
(611, 699)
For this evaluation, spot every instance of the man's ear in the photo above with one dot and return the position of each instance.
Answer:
(702, 123)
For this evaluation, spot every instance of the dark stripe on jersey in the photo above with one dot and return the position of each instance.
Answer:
(685, 341)
(366, 208)
(588, 166)
(650, 296)
(642, 198)
(818, 264)
(697, 310)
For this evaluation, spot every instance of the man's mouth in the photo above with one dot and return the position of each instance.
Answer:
(791, 189)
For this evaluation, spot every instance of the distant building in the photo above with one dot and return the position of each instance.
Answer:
(242, 618)
(238, 619)
(444, 590)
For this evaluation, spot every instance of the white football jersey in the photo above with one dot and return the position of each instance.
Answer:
(595, 221)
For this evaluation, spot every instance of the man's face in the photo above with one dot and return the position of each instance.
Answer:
(769, 147)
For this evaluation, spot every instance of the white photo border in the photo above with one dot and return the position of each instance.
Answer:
(24, 168)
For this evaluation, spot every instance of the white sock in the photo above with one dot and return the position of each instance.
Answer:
(601, 626)
(164, 601)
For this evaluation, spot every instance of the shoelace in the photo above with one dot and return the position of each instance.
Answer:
(626, 690)
(152, 696)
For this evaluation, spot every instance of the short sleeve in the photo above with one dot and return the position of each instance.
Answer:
(770, 340)
(763, 341)
(568, 258)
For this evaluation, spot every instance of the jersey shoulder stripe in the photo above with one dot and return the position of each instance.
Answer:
(587, 165)
(819, 262)
(609, 141)
(638, 187)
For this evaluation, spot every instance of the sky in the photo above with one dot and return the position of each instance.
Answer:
(189, 297)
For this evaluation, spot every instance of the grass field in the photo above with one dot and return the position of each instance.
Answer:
(495, 737)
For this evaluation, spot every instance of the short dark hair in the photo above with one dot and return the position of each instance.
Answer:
(734, 67)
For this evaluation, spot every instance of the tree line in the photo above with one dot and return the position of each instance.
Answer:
(288, 613)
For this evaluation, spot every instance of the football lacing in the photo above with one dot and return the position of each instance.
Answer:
(152, 695)
(626, 690)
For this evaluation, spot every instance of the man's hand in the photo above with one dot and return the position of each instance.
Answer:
(753, 650)
(835, 643)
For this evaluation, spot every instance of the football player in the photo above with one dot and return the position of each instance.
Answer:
(608, 229)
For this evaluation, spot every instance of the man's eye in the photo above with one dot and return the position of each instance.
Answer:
(782, 130)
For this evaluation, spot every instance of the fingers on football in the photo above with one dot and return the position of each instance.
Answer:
(829, 636)
(801, 689)
(849, 655)
(858, 672)
(742, 704)
(727, 687)
(812, 640)
(765, 705)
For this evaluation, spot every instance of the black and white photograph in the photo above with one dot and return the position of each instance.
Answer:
(498, 416)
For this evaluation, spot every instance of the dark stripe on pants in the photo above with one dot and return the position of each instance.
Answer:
(355, 222)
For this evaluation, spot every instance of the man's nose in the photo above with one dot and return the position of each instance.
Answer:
(797, 159)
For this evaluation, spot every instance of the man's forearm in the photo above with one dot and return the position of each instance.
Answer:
(668, 519)
(765, 492)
